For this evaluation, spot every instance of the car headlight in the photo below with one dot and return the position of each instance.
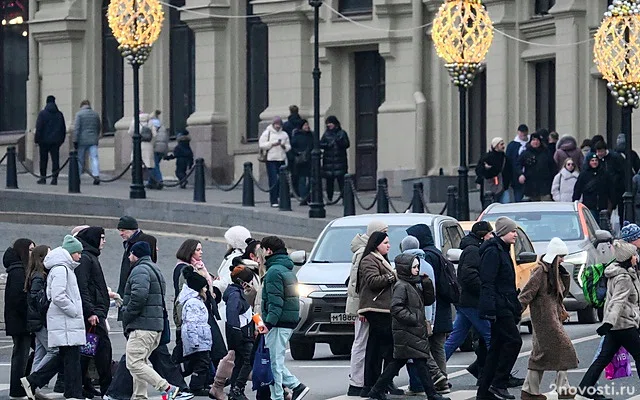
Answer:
(306, 290)
(579, 260)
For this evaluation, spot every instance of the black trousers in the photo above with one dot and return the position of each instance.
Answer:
(330, 182)
(102, 360)
(627, 338)
(392, 369)
(45, 150)
(503, 353)
(200, 368)
(242, 365)
(19, 358)
(68, 358)
(379, 346)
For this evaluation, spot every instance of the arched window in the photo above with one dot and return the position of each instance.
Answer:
(14, 64)
(182, 70)
(112, 77)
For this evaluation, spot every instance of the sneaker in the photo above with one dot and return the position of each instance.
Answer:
(501, 393)
(394, 390)
(96, 182)
(414, 392)
(186, 396)
(514, 382)
(41, 396)
(365, 391)
(54, 181)
(354, 390)
(300, 391)
(374, 395)
(442, 387)
(172, 392)
(275, 205)
(18, 397)
(27, 388)
(42, 181)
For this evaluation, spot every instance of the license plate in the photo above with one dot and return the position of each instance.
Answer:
(342, 318)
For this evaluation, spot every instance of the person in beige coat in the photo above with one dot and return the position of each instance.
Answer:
(621, 315)
(544, 294)
(147, 147)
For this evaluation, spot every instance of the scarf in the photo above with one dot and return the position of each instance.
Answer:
(199, 267)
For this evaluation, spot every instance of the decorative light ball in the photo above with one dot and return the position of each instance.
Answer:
(617, 51)
(462, 34)
(136, 25)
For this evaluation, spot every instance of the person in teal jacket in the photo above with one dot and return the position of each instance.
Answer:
(280, 312)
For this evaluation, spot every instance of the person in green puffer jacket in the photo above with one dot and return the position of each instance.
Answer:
(281, 313)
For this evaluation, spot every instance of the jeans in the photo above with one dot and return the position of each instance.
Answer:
(68, 358)
(155, 175)
(273, 171)
(379, 346)
(627, 338)
(200, 368)
(140, 344)
(518, 193)
(45, 150)
(102, 359)
(303, 186)
(19, 357)
(392, 369)
(503, 353)
(93, 158)
(43, 353)
(466, 317)
(358, 353)
(505, 197)
(276, 340)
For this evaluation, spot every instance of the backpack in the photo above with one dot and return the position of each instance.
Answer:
(447, 286)
(594, 284)
(146, 134)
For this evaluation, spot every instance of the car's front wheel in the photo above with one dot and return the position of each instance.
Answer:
(302, 351)
(588, 316)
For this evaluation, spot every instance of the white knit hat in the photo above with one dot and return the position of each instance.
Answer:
(236, 237)
(555, 248)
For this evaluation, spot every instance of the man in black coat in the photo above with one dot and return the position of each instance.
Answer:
(51, 132)
(131, 234)
(499, 304)
(95, 305)
(538, 170)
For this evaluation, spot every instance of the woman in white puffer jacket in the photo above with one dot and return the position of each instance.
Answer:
(564, 181)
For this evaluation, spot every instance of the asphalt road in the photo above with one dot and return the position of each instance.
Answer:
(326, 375)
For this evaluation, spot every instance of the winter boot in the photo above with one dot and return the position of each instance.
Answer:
(237, 393)
(225, 369)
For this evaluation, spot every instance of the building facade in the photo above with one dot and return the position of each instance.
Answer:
(224, 68)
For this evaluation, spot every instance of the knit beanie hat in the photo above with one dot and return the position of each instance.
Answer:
(505, 225)
(194, 280)
(237, 236)
(630, 232)
(141, 249)
(481, 228)
(409, 243)
(623, 251)
(242, 273)
(71, 244)
(556, 247)
(376, 226)
(495, 141)
(128, 223)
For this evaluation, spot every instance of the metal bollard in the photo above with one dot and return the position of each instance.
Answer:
(198, 188)
(383, 200)
(285, 194)
(12, 171)
(452, 201)
(74, 172)
(487, 199)
(417, 205)
(248, 196)
(348, 200)
(605, 222)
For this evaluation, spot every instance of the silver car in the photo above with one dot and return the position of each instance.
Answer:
(575, 225)
(324, 272)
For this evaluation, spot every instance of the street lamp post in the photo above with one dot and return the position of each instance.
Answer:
(316, 205)
(462, 34)
(617, 55)
(136, 25)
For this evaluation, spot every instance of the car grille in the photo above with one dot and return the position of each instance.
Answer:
(576, 272)
(328, 308)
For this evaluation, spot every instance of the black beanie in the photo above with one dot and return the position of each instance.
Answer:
(195, 281)
(91, 236)
(141, 249)
(128, 223)
(481, 228)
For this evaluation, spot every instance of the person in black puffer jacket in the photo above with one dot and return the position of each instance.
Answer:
(15, 260)
(595, 188)
(301, 146)
(334, 145)
(411, 293)
(51, 132)
(538, 170)
(37, 305)
(95, 305)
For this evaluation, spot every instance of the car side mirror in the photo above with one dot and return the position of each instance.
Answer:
(603, 236)
(453, 255)
(299, 257)
(526, 257)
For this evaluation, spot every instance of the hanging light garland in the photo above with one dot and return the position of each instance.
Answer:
(136, 25)
(617, 51)
(462, 34)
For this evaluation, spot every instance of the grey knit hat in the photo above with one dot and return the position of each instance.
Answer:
(504, 226)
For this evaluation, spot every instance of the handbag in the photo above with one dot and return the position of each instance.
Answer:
(496, 184)
(620, 365)
(165, 337)
(262, 374)
(90, 348)
(302, 158)
(262, 156)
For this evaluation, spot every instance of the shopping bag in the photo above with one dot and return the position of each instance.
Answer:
(91, 346)
(262, 374)
(620, 366)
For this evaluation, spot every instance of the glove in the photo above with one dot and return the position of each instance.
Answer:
(604, 329)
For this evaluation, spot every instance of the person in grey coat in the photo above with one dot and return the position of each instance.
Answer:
(87, 133)
(143, 321)
(65, 321)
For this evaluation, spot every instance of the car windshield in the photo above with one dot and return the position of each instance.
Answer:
(542, 226)
(335, 244)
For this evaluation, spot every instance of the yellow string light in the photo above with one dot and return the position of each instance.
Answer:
(462, 34)
(136, 25)
(617, 51)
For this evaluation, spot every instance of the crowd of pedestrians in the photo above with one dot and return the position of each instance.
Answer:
(57, 300)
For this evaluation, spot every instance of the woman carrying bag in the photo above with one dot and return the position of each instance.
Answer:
(494, 169)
